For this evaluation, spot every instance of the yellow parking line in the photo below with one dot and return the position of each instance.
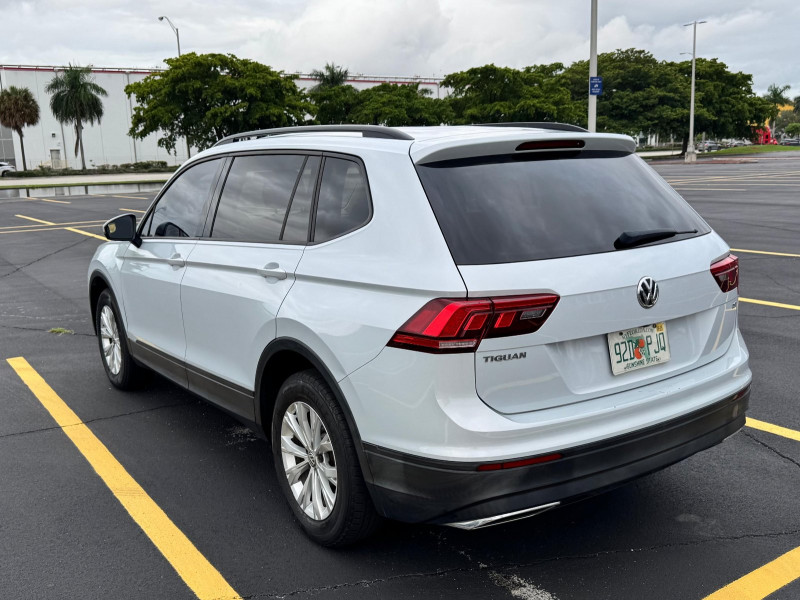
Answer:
(774, 429)
(766, 303)
(133, 210)
(86, 233)
(763, 581)
(72, 229)
(37, 220)
(69, 223)
(200, 575)
(42, 228)
(765, 252)
(56, 201)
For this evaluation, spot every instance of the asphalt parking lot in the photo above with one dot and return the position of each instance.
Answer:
(687, 532)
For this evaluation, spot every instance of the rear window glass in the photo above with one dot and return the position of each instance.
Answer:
(521, 208)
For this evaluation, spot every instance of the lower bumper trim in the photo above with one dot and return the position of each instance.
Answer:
(500, 519)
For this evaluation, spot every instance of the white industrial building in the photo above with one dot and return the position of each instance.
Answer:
(52, 144)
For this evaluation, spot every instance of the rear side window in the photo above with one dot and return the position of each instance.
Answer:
(179, 212)
(296, 228)
(344, 203)
(255, 198)
(522, 207)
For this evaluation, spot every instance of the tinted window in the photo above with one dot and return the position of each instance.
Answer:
(510, 209)
(179, 212)
(255, 198)
(343, 199)
(296, 228)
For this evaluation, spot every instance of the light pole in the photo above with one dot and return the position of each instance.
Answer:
(691, 155)
(178, 37)
(175, 29)
(592, 121)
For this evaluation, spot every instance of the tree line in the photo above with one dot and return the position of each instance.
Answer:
(208, 96)
(205, 97)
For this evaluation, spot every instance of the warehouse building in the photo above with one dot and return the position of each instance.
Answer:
(52, 144)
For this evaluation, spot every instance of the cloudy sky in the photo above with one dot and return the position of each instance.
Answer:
(401, 37)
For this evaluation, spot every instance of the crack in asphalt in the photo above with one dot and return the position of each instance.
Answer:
(774, 450)
(33, 262)
(95, 420)
(512, 565)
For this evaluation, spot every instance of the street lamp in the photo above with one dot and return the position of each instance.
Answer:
(175, 29)
(178, 37)
(592, 118)
(691, 154)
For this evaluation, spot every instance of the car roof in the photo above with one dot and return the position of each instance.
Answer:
(423, 144)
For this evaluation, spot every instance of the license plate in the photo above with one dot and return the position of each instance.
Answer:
(638, 348)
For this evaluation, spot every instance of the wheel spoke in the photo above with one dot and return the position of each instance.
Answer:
(297, 430)
(316, 429)
(325, 444)
(305, 493)
(289, 447)
(293, 473)
(316, 496)
(304, 423)
(325, 487)
(328, 473)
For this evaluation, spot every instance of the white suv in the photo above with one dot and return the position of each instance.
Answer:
(453, 325)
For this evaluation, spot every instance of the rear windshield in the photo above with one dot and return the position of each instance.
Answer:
(531, 207)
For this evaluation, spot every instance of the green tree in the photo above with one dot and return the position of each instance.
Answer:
(205, 97)
(334, 105)
(398, 105)
(776, 97)
(492, 94)
(331, 75)
(796, 103)
(18, 109)
(793, 129)
(76, 100)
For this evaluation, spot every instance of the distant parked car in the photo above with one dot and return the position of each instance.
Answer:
(6, 168)
(709, 146)
(790, 142)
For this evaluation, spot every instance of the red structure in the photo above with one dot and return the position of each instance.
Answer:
(762, 136)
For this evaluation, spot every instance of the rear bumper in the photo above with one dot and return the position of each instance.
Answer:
(414, 489)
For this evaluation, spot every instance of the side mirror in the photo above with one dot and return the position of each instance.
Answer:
(122, 229)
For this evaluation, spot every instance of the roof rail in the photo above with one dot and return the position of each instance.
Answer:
(538, 125)
(374, 131)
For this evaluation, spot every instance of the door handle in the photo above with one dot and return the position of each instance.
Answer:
(272, 270)
(176, 260)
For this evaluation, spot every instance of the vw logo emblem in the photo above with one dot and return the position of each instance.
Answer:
(647, 292)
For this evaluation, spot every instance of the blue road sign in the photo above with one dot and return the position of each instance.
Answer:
(595, 86)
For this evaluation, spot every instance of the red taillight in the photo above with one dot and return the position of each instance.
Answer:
(451, 325)
(551, 144)
(523, 462)
(726, 272)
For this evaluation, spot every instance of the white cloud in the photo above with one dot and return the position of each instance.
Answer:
(400, 37)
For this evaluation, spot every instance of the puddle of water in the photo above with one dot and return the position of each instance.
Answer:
(80, 190)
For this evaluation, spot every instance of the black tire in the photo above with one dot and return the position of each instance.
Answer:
(353, 515)
(128, 373)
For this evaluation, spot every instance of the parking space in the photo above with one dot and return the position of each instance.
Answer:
(66, 530)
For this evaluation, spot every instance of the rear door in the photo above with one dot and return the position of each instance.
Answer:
(551, 223)
(151, 274)
(242, 269)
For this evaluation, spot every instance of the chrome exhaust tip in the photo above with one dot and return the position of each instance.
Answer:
(504, 518)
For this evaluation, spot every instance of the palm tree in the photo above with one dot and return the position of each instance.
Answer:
(776, 96)
(18, 109)
(331, 75)
(76, 100)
